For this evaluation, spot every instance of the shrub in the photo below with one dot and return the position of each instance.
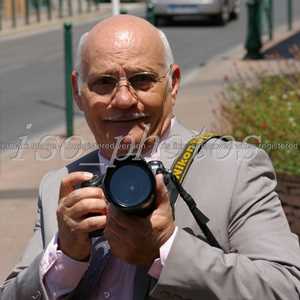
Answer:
(270, 109)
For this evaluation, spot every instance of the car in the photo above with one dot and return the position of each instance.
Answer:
(221, 11)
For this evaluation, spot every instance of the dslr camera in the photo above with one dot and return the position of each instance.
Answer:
(129, 184)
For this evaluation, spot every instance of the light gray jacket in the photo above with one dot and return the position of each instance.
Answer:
(234, 187)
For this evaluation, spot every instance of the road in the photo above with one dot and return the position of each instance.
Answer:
(32, 69)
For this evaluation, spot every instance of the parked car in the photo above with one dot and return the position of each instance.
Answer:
(220, 10)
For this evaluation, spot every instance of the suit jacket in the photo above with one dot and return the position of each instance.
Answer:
(234, 186)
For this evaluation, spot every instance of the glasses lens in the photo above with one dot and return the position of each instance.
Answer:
(142, 82)
(105, 85)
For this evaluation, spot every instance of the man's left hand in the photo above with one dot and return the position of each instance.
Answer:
(137, 240)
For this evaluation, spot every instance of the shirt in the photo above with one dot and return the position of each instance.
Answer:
(61, 274)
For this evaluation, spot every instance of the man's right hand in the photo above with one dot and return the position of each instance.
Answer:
(79, 212)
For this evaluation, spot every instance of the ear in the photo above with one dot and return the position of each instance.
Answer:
(176, 75)
(76, 94)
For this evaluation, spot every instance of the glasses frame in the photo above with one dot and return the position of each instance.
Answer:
(125, 81)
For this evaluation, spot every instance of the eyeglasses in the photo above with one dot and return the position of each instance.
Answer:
(107, 85)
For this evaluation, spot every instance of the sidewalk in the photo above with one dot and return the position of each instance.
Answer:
(196, 103)
(105, 10)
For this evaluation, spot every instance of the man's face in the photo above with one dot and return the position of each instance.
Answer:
(126, 111)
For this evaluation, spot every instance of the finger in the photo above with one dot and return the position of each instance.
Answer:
(123, 219)
(163, 198)
(116, 220)
(83, 193)
(71, 180)
(92, 223)
(88, 206)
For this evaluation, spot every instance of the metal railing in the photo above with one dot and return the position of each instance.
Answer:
(14, 13)
(261, 13)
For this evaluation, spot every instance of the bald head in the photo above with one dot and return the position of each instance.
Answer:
(120, 34)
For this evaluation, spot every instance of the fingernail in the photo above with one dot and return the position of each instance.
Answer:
(88, 176)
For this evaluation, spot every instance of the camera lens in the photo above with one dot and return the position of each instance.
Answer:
(130, 185)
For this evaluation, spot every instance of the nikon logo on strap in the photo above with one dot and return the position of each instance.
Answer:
(183, 162)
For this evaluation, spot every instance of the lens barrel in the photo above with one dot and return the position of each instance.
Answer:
(130, 185)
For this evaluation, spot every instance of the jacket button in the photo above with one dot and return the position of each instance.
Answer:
(37, 296)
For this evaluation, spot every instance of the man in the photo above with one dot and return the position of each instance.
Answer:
(126, 84)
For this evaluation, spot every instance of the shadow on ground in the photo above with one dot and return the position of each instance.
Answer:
(288, 48)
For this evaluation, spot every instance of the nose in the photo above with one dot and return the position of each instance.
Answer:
(124, 98)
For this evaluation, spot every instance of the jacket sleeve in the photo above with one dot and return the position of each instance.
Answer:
(24, 282)
(266, 261)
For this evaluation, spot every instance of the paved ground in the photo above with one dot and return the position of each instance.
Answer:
(20, 176)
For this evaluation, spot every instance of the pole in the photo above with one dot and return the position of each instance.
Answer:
(60, 8)
(115, 7)
(150, 15)
(70, 8)
(79, 7)
(38, 11)
(49, 9)
(1, 14)
(14, 14)
(88, 6)
(27, 13)
(253, 42)
(68, 74)
(290, 14)
(271, 18)
(97, 4)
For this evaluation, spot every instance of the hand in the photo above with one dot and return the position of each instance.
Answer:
(79, 212)
(137, 240)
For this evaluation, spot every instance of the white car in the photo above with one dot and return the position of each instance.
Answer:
(221, 10)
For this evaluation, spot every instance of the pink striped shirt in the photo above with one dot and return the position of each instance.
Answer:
(61, 274)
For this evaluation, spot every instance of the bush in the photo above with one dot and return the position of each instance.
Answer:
(270, 109)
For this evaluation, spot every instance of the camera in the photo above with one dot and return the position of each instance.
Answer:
(129, 184)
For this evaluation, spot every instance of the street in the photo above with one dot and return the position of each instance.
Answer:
(32, 68)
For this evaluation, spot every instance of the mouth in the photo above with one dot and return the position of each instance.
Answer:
(126, 119)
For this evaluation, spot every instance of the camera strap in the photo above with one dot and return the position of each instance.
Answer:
(179, 170)
(182, 164)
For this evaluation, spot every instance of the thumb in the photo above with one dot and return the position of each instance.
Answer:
(161, 191)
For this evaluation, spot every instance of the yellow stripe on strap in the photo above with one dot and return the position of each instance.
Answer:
(185, 159)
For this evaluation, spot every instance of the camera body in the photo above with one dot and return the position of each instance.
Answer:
(129, 184)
